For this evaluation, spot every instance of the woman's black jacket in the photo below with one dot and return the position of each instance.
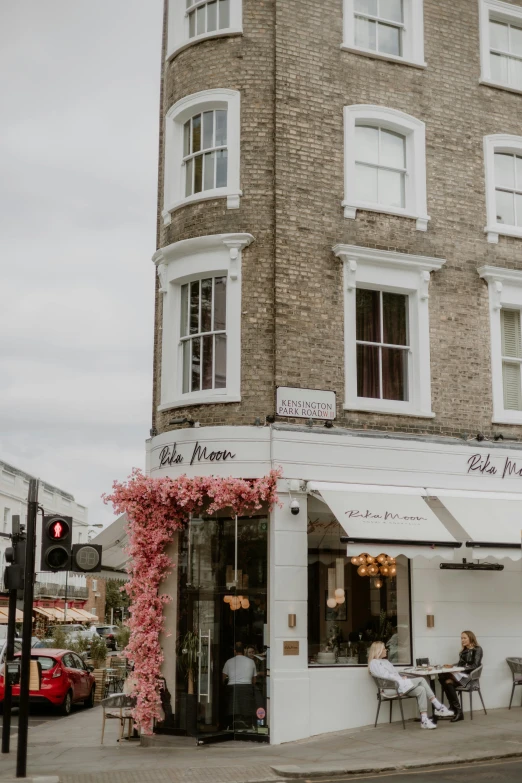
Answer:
(470, 658)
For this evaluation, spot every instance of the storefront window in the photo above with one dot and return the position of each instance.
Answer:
(347, 611)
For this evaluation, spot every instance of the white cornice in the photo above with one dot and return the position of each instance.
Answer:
(497, 274)
(388, 258)
(185, 247)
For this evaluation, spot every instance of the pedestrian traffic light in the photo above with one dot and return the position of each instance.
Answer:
(86, 558)
(56, 543)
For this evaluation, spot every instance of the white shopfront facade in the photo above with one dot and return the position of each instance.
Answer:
(475, 493)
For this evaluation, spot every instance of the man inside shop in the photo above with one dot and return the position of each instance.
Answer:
(239, 673)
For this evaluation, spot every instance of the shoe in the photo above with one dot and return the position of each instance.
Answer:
(444, 712)
(458, 716)
(428, 724)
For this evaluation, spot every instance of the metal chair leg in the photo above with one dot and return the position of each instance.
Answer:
(512, 694)
(471, 705)
(402, 714)
(482, 700)
(391, 708)
(103, 726)
(378, 709)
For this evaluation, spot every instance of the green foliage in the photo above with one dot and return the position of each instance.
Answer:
(123, 636)
(98, 649)
(115, 597)
(60, 638)
(188, 648)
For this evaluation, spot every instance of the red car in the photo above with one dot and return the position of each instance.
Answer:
(65, 680)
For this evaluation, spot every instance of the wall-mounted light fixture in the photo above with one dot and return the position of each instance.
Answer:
(430, 621)
(292, 620)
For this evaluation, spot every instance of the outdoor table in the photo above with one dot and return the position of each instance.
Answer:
(430, 673)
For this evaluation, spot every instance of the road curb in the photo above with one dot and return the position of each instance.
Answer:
(318, 771)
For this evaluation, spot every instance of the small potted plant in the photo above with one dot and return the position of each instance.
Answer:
(188, 651)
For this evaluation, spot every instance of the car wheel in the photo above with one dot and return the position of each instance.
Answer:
(66, 705)
(89, 701)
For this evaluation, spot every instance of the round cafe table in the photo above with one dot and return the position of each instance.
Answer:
(430, 673)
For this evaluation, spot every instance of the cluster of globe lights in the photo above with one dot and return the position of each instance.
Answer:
(382, 565)
(237, 602)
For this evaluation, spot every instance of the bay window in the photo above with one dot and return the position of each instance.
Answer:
(192, 21)
(501, 44)
(503, 177)
(386, 29)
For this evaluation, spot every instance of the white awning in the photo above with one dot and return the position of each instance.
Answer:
(394, 520)
(113, 540)
(491, 520)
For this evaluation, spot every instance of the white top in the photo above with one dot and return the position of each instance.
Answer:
(240, 670)
(380, 667)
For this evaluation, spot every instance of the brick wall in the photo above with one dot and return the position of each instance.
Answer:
(294, 81)
(96, 600)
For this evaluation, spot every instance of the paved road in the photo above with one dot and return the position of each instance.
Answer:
(39, 715)
(498, 772)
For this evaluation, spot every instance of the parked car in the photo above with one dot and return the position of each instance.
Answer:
(3, 647)
(75, 632)
(110, 634)
(66, 680)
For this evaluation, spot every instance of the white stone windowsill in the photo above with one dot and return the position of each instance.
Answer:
(386, 57)
(500, 86)
(507, 417)
(230, 32)
(199, 399)
(350, 211)
(232, 197)
(499, 229)
(387, 410)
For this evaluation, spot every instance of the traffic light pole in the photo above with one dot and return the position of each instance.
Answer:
(23, 713)
(8, 690)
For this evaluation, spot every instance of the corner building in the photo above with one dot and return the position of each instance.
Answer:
(340, 212)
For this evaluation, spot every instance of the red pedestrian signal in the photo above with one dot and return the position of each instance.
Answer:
(58, 529)
(56, 543)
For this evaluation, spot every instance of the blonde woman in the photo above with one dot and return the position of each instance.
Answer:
(416, 686)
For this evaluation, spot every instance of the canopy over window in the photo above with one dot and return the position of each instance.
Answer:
(491, 521)
(394, 520)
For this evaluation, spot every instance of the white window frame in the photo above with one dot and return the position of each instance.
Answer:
(178, 26)
(495, 10)
(414, 131)
(512, 145)
(174, 179)
(505, 291)
(413, 34)
(400, 273)
(180, 263)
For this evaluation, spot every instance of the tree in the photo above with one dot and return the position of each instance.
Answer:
(115, 598)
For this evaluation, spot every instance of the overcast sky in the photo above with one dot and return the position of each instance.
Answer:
(78, 157)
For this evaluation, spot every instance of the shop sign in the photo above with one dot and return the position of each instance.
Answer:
(291, 648)
(305, 403)
(170, 454)
(502, 468)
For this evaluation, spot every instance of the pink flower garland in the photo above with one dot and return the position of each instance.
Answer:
(156, 508)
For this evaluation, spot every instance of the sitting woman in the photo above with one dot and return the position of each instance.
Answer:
(470, 658)
(416, 686)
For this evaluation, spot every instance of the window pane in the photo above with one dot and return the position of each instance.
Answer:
(221, 361)
(504, 170)
(208, 130)
(365, 34)
(194, 307)
(186, 366)
(366, 6)
(391, 188)
(212, 17)
(186, 139)
(196, 364)
(516, 40)
(184, 311)
(392, 152)
(208, 361)
(192, 24)
(498, 36)
(515, 73)
(368, 317)
(224, 14)
(499, 68)
(511, 382)
(505, 208)
(389, 40)
(368, 371)
(188, 177)
(206, 305)
(196, 133)
(366, 183)
(198, 174)
(510, 333)
(366, 144)
(394, 374)
(518, 209)
(209, 171)
(391, 9)
(221, 128)
(394, 319)
(221, 168)
(200, 24)
(220, 303)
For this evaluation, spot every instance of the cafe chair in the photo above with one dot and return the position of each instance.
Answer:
(470, 687)
(388, 690)
(515, 664)
(118, 706)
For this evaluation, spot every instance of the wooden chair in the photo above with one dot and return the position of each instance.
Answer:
(388, 690)
(470, 687)
(118, 706)
(515, 664)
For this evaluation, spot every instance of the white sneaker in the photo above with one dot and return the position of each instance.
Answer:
(444, 712)
(428, 724)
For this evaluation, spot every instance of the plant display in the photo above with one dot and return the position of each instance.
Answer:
(188, 647)
(98, 650)
(156, 509)
(123, 635)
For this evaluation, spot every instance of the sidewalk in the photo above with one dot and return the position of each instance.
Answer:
(70, 749)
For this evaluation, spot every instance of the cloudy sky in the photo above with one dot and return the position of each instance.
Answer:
(78, 157)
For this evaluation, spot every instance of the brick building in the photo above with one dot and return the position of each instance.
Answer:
(340, 211)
